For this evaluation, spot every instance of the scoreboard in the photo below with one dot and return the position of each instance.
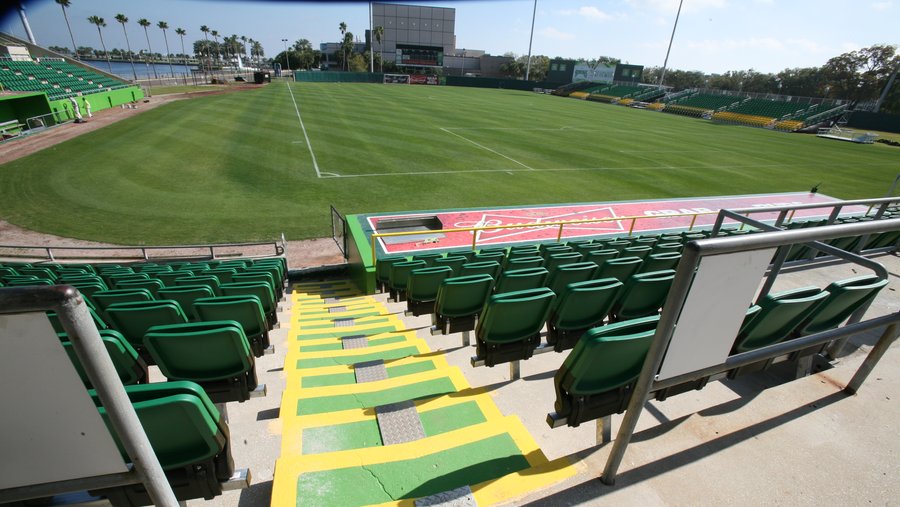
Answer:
(419, 56)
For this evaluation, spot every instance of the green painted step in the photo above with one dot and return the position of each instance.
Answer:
(359, 434)
(343, 331)
(467, 464)
(426, 389)
(339, 346)
(337, 379)
(354, 314)
(319, 362)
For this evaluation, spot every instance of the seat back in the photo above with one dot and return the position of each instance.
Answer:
(666, 247)
(463, 295)
(844, 298)
(514, 316)
(618, 244)
(423, 283)
(585, 304)
(660, 261)
(554, 250)
(130, 368)
(491, 268)
(245, 310)
(186, 295)
(641, 251)
(490, 255)
(259, 289)
(533, 261)
(521, 279)
(779, 314)
(103, 299)
(643, 295)
(598, 257)
(399, 273)
(200, 351)
(607, 357)
(133, 319)
(570, 273)
(429, 258)
(558, 259)
(455, 262)
(151, 284)
(620, 268)
(225, 275)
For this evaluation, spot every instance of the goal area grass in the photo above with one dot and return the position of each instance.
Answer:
(252, 164)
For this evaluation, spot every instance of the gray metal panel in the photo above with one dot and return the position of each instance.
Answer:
(399, 423)
(459, 497)
(370, 371)
(337, 309)
(51, 430)
(355, 342)
(722, 290)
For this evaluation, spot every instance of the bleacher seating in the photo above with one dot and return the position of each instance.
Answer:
(58, 78)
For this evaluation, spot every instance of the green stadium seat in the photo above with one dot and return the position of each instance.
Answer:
(641, 251)
(494, 255)
(131, 368)
(553, 250)
(422, 288)
(844, 298)
(429, 258)
(134, 318)
(188, 435)
(618, 244)
(668, 247)
(643, 295)
(620, 268)
(151, 284)
(580, 306)
(596, 378)
(534, 261)
(570, 273)
(245, 310)
(210, 281)
(779, 314)
(103, 299)
(185, 295)
(225, 275)
(513, 280)
(260, 276)
(491, 268)
(598, 257)
(559, 259)
(214, 354)
(660, 261)
(455, 262)
(459, 301)
(510, 327)
(399, 275)
(261, 290)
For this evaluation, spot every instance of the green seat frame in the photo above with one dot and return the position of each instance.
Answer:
(510, 327)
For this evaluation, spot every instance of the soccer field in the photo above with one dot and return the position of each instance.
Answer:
(250, 165)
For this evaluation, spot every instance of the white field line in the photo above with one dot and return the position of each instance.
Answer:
(483, 147)
(305, 136)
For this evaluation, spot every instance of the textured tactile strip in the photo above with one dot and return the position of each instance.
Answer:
(356, 341)
(337, 309)
(399, 422)
(370, 371)
(332, 300)
(343, 322)
(459, 497)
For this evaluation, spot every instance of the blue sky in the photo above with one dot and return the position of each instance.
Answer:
(713, 35)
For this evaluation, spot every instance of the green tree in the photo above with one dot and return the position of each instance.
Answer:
(122, 19)
(244, 41)
(181, 33)
(256, 47)
(162, 25)
(100, 23)
(215, 35)
(65, 4)
(144, 23)
(379, 33)
(343, 29)
(205, 30)
(861, 75)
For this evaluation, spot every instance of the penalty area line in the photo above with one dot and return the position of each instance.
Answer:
(483, 147)
(305, 135)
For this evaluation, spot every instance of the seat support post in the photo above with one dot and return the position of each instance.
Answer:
(514, 371)
(466, 338)
(804, 366)
(604, 430)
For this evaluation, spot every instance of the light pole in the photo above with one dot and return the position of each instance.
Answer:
(287, 63)
(662, 77)
(530, 39)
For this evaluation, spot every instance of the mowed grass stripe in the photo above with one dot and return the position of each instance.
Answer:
(234, 167)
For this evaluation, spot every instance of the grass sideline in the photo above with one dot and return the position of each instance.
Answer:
(169, 90)
(236, 167)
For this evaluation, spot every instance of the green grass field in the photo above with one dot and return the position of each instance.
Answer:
(238, 167)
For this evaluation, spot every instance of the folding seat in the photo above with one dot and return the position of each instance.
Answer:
(41, 272)
(620, 268)
(188, 435)
(580, 306)
(586, 248)
(7, 271)
(619, 244)
(131, 368)
(225, 275)
(483, 256)
(273, 268)
(844, 298)
(553, 250)
(645, 241)
(455, 262)
(493, 250)
(151, 284)
(667, 247)
(133, 319)
(690, 236)
(468, 254)
(510, 327)
(670, 238)
(383, 271)
(660, 261)
(521, 279)
(598, 257)
(422, 288)
(637, 251)
(168, 278)
(112, 279)
(104, 299)
(574, 243)
(491, 268)
(429, 258)
(259, 276)
(597, 377)
(214, 354)
(459, 301)
(185, 295)
(558, 259)
(261, 290)
(534, 261)
(643, 295)
(398, 277)
(544, 246)
(66, 272)
(245, 310)
(779, 314)
(26, 281)
(570, 273)
(210, 281)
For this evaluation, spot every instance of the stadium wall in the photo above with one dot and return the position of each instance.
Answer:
(20, 107)
(875, 121)
(99, 101)
(338, 77)
(359, 256)
(489, 82)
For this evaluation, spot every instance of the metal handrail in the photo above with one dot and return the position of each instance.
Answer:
(279, 248)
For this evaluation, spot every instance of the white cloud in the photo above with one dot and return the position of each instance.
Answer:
(589, 11)
(882, 6)
(553, 33)
(670, 7)
(729, 45)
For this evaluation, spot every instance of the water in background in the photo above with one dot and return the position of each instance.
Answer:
(123, 69)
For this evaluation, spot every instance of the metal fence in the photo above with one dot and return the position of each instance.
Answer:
(145, 253)
(338, 230)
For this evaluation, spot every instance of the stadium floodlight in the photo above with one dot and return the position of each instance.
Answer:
(287, 62)
(662, 76)
(530, 39)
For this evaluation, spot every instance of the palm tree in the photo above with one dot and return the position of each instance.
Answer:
(121, 18)
(181, 33)
(144, 23)
(205, 30)
(215, 35)
(96, 20)
(64, 4)
(244, 40)
(343, 28)
(162, 25)
(379, 33)
(258, 49)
